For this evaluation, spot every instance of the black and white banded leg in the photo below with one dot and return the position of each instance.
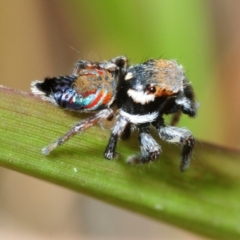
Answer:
(150, 149)
(118, 129)
(182, 136)
(78, 128)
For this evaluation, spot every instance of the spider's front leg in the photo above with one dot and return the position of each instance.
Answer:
(150, 149)
(78, 128)
(177, 135)
(118, 131)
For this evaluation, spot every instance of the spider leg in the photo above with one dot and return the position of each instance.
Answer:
(118, 130)
(126, 133)
(184, 103)
(78, 128)
(150, 149)
(178, 135)
(187, 102)
(175, 118)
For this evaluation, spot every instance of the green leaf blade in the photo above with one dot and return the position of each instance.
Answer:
(204, 199)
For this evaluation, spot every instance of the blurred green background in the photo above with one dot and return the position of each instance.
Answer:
(45, 38)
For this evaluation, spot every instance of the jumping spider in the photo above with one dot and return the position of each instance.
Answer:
(143, 93)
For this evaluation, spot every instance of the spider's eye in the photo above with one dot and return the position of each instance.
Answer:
(151, 88)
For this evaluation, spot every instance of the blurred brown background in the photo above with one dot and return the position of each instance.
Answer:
(45, 38)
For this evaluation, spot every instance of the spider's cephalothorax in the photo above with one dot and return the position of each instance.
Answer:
(143, 93)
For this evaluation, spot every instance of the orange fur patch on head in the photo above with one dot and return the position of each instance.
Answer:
(167, 77)
(162, 92)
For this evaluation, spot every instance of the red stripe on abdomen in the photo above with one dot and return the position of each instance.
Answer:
(96, 100)
(107, 99)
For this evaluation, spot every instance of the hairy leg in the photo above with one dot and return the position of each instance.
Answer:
(175, 118)
(118, 130)
(126, 133)
(150, 149)
(182, 136)
(78, 128)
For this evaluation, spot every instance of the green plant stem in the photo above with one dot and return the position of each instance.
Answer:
(205, 199)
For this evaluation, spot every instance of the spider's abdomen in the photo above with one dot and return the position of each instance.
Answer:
(92, 90)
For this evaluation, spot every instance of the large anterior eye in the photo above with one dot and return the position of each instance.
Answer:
(151, 88)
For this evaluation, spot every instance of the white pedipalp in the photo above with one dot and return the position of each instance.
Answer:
(185, 102)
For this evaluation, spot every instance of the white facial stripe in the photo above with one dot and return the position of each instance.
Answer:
(128, 76)
(140, 96)
(138, 119)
